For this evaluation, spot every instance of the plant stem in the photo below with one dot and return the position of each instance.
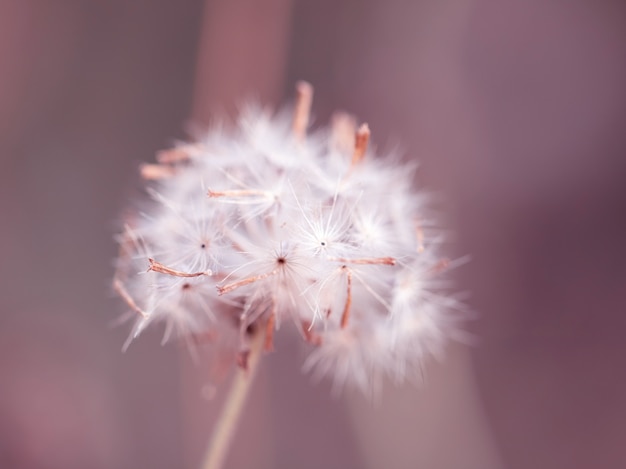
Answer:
(227, 422)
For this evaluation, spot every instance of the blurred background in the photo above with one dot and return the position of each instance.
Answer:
(517, 113)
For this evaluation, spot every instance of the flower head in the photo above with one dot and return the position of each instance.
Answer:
(263, 225)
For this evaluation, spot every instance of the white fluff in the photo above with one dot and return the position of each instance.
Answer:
(298, 228)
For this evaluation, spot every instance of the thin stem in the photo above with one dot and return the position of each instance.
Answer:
(227, 422)
(366, 260)
(163, 269)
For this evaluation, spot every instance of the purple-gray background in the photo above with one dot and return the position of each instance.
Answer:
(516, 111)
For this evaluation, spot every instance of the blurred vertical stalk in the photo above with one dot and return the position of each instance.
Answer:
(235, 402)
(242, 54)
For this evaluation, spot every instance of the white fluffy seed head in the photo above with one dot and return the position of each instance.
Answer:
(261, 225)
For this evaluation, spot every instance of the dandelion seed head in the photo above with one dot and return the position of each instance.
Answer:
(269, 223)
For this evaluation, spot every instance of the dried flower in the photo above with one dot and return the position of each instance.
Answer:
(263, 225)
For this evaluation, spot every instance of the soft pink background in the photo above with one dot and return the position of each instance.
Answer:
(517, 113)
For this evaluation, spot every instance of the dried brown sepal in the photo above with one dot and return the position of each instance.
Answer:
(419, 237)
(361, 140)
(156, 172)
(302, 112)
(163, 269)
(366, 260)
(222, 290)
(345, 315)
(174, 155)
(440, 266)
(310, 336)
